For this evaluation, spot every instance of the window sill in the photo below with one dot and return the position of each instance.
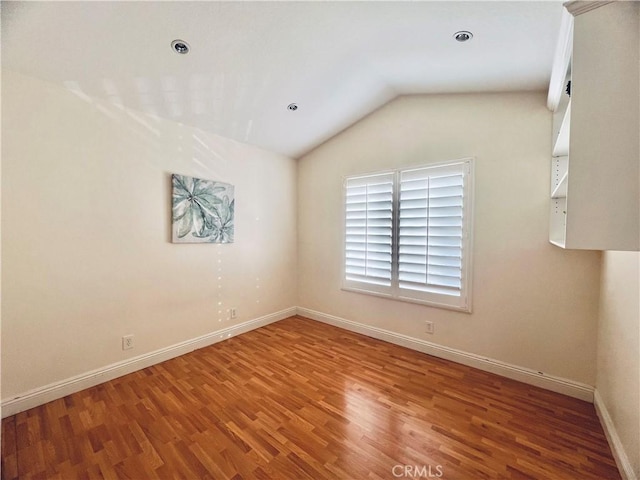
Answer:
(466, 309)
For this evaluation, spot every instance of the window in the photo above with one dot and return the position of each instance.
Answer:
(407, 234)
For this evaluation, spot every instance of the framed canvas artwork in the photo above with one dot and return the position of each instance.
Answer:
(202, 210)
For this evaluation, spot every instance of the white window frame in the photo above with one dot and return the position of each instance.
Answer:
(460, 303)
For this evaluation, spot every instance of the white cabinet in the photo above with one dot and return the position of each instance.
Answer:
(595, 171)
(560, 165)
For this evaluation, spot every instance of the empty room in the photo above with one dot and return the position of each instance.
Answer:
(320, 240)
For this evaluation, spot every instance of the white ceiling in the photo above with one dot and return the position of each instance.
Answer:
(338, 61)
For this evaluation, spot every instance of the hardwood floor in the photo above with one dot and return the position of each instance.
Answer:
(303, 400)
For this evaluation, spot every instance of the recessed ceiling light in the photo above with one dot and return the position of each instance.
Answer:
(463, 36)
(180, 46)
(292, 106)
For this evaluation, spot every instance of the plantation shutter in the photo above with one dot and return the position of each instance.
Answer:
(432, 232)
(369, 232)
(408, 234)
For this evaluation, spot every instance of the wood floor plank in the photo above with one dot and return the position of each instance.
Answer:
(9, 462)
(298, 399)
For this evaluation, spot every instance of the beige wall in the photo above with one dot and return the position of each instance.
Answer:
(534, 305)
(618, 372)
(86, 252)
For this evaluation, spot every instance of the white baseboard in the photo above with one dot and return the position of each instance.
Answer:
(53, 391)
(514, 372)
(619, 454)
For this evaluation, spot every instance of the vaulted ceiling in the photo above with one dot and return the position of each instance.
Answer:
(338, 61)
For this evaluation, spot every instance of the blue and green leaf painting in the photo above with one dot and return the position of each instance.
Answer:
(203, 210)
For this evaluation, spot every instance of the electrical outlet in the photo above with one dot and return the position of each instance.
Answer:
(233, 313)
(429, 327)
(127, 342)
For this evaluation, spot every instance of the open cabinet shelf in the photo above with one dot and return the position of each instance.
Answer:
(561, 145)
(560, 191)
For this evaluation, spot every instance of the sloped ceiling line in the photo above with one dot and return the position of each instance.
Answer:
(338, 61)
